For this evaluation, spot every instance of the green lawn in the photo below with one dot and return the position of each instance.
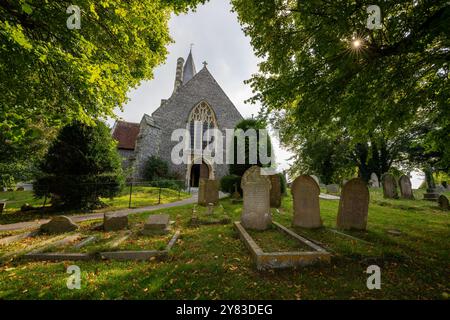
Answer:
(210, 262)
(141, 196)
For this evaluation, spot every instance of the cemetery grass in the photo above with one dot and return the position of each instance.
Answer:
(141, 197)
(211, 262)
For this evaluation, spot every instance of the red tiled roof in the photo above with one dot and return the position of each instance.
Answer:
(126, 133)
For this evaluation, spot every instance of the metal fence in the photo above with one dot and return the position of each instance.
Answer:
(132, 194)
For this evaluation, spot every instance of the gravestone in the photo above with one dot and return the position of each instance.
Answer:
(374, 182)
(432, 194)
(210, 209)
(208, 192)
(389, 186)
(236, 195)
(275, 191)
(60, 224)
(115, 222)
(316, 179)
(353, 205)
(305, 193)
(256, 209)
(443, 202)
(333, 188)
(156, 224)
(440, 188)
(405, 187)
(2, 206)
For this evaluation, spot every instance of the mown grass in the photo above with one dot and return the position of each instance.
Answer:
(210, 262)
(141, 196)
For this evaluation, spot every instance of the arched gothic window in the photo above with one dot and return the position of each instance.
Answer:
(202, 118)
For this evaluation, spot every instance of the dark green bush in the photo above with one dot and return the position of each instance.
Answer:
(156, 169)
(227, 184)
(81, 166)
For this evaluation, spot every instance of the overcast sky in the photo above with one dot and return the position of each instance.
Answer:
(218, 40)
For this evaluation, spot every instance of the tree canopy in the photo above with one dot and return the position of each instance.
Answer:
(51, 75)
(324, 69)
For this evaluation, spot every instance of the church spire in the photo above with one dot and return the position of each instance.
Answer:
(189, 68)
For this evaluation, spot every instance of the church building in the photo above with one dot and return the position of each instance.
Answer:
(197, 97)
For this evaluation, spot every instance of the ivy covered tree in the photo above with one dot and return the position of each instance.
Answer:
(52, 75)
(81, 166)
(323, 68)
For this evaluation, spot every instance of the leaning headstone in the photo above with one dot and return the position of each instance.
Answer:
(354, 205)
(208, 192)
(115, 222)
(443, 202)
(275, 191)
(389, 186)
(256, 210)
(374, 182)
(60, 224)
(333, 188)
(405, 187)
(156, 223)
(305, 193)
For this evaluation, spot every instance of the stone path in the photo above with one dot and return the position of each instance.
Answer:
(328, 196)
(95, 216)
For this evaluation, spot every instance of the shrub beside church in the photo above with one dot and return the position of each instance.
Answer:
(81, 166)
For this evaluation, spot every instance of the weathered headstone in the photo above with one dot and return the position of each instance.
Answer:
(2, 206)
(405, 187)
(374, 182)
(443, 202)
(440, 188)
(354, 205)
(156, 223)
(208, 192)
(389, 186)
(60, 224)
(115, 222)
(256, 210)
(305, 193)
(333, 188)
(432, 194)
(275, 191)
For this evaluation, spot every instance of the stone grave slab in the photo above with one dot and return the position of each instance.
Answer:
(115, 221)
(60, 224)
(279, 260)
(156, 224)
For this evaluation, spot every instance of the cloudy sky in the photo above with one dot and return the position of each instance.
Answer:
(217, 38)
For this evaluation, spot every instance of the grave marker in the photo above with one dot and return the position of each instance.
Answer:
(353, 205)
(305, 193)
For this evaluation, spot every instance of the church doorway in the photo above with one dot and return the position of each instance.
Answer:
(198, 171)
